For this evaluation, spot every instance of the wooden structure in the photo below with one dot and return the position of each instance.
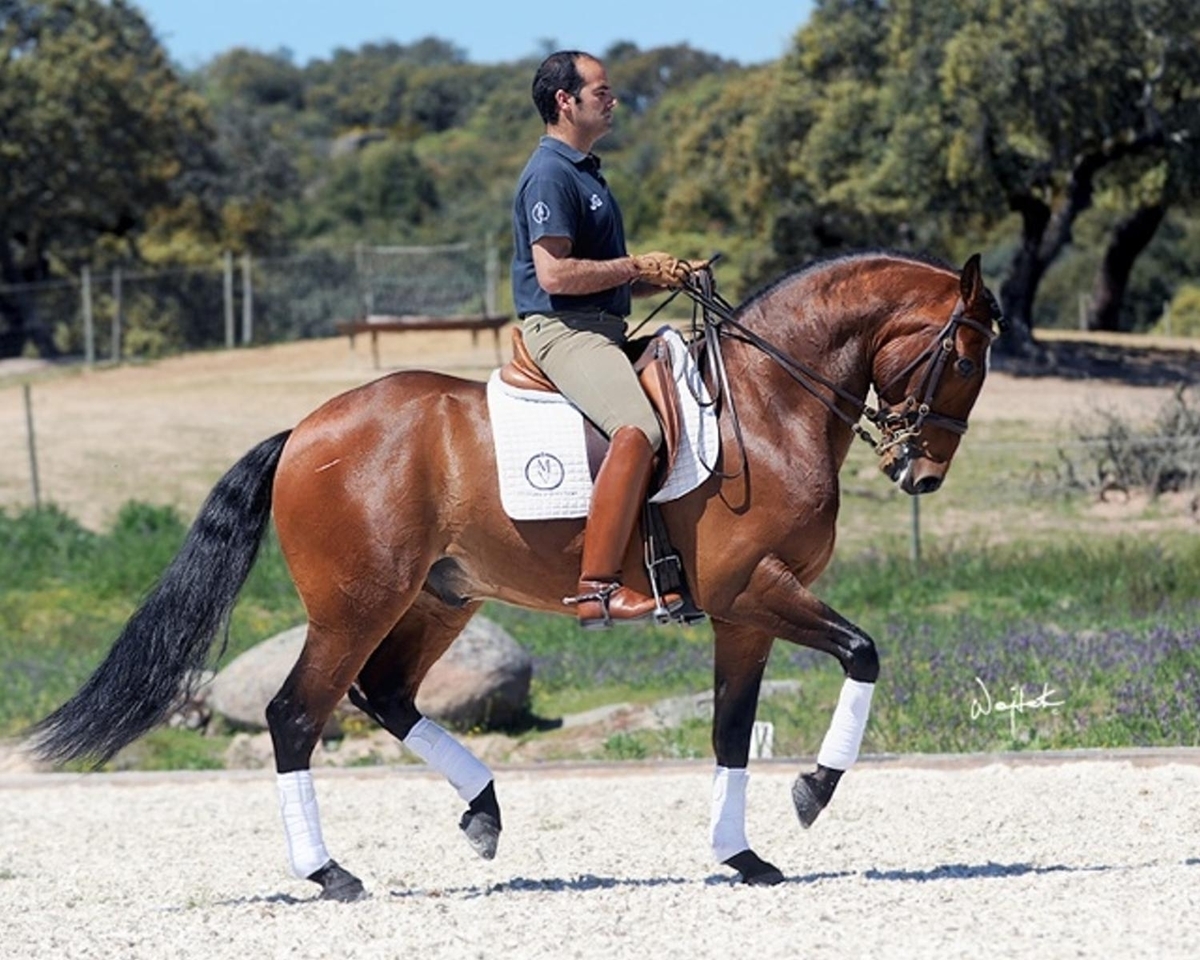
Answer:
(385, 324)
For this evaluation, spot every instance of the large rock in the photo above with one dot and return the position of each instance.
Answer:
(481, 681)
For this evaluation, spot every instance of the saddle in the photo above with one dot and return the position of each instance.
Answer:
(651, 359)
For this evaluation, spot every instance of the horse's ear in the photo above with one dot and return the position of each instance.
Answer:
(971, 283)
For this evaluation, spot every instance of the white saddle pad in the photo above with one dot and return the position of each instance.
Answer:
(541, 451)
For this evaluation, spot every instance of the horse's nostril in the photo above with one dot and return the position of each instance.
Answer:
(927, 484)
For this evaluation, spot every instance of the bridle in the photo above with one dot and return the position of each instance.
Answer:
(899, 425)
(902, 423)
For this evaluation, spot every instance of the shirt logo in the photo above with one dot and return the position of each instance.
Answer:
(595, 202)
(544, 471)
(540, 212)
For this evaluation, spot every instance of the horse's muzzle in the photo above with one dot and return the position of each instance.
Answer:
(914, 474)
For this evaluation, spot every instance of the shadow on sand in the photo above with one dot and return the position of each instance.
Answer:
(589, 882)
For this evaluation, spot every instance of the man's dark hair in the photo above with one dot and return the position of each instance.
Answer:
(557, 72)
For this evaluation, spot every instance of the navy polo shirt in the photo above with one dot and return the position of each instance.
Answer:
(562, 194)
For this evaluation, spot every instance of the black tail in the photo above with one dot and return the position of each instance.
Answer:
(167, 640)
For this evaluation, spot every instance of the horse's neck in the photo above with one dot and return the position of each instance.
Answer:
(838, 317)
(820, 331)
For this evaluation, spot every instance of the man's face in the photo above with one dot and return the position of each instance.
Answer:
(592, 113)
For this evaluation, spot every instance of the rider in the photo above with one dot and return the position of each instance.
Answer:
(572, 280)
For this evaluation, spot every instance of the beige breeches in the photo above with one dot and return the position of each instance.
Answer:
(581, 353)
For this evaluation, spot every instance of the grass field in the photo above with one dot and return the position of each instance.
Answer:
(1039, 615)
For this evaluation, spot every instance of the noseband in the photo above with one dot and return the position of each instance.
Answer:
(898, 425)
(902, 423)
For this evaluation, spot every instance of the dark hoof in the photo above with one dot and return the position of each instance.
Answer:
(482, 831)
(338, 884)
(481, 823)
(754, 870)
(808, 799)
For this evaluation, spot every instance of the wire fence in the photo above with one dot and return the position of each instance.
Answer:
(121, 313)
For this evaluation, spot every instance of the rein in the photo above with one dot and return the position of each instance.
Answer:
(897, 425)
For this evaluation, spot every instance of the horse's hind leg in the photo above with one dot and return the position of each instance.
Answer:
(740, 658)
(387, 690)
(328, 664)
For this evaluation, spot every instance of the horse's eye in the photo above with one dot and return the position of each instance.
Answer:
(964, 366)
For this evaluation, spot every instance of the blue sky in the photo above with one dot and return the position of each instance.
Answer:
(490, 31)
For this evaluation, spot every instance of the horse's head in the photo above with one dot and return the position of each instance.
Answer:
(928, 378)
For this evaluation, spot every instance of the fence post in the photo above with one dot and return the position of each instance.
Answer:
(116, 321)
(247, 301)
(228, 299)
(915, 546)
(89, 329)
(365, 303)
(1085, 307)
(33, 469)
(492, 271)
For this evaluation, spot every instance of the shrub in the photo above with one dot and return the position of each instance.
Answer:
(1182, 318)
(1118, 455)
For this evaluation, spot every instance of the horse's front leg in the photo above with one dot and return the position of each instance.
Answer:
(740, 655)
(778, 603)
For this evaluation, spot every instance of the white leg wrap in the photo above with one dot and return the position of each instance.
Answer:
(728, 819)
(466, 773)
(301, 823)
(839, 749)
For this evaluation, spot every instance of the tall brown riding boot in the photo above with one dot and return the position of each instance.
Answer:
(617, 498)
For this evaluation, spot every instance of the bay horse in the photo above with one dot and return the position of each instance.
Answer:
(386, 504)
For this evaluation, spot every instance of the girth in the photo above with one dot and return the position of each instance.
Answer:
(651, 359)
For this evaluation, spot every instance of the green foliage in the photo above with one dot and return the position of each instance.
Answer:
(99, 131)
(249, 79)
(651, 661)
(68, 592)
(1079, 583)
(379, 192)
(642, 77)
(943, 126)
(41, 545)
(1182, 317)
(1109, 624)
(936, 119)
(383, 85)
(170, 749)
(625, 746)
(1103, 630)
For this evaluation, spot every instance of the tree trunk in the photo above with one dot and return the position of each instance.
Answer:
(1044, 235)
(12, 318)
(1019, 288)
(18, 307)
(1128, 239)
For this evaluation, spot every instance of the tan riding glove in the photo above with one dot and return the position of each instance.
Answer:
(664, 270)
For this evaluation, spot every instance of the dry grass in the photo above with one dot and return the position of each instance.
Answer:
(164, 432)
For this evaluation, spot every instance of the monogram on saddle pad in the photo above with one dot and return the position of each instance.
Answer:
(547, 452)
